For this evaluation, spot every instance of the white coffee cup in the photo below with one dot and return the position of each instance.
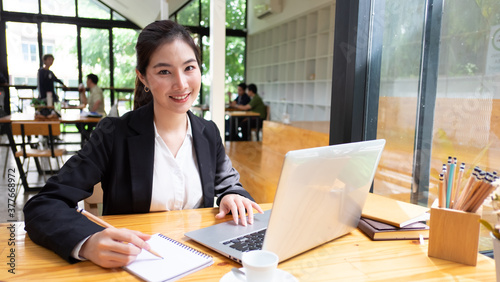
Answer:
(260, 265)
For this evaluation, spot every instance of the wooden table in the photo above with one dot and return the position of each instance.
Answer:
(73, 107)
(234, 116)
(352, 257)
(66, 118)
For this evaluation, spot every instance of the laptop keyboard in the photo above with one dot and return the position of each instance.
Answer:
(249, 242)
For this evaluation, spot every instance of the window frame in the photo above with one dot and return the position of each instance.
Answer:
(38, 19)
(356, 81)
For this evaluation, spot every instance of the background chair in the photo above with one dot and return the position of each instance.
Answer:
(27, 149)
(93, 204)
(258, 135)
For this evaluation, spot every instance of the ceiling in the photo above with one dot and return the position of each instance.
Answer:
(142, 12)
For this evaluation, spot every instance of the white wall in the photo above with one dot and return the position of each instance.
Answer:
(291, 9)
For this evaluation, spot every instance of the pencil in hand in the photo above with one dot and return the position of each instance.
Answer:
(107, 225)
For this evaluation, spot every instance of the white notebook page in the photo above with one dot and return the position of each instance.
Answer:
(178, 260)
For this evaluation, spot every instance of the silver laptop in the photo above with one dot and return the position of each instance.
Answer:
(320, 196)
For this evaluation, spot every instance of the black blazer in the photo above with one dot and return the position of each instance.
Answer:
(120, 155)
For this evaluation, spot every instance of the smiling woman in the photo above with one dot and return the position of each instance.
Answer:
(173, 77)
(158, 57)
(159, 157)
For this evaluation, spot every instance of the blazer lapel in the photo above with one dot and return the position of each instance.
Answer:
(141, 152)
(200, 143)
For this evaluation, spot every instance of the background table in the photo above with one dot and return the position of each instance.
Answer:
(66, 118)
(234, 117)
(352, 257)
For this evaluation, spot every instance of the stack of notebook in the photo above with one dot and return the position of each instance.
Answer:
(377, 230)
(388, 219)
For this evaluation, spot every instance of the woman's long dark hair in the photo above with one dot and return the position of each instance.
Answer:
(151, 37)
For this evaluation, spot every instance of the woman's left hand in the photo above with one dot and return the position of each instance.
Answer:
(238, 205)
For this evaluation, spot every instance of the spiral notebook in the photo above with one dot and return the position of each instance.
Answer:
(178, 260)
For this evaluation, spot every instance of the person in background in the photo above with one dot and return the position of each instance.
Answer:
(46, 79)
(158, 157)
(256, 105)
(242, 98)
(96, 98)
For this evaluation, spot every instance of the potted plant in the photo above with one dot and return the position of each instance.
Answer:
(495, 230)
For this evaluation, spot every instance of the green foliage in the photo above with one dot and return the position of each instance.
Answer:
(235, 46)
(124, 52)
(465, 31)
(402, 26)
(236, 14)
(205, 13)
(188, 16)
(36, 102)
(235, 62)
(93, 9)
(95, 54)
(490, 228)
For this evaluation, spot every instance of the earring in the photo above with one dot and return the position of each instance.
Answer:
(146, 88)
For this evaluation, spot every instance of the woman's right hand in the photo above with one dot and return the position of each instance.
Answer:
(114, 247)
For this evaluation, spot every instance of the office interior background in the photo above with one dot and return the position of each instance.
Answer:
(424, 75)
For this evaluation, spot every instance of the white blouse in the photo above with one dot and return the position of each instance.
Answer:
(176, 180)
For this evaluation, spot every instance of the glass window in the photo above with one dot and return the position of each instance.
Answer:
(93, 9)
(466, 122)
(23, 6)
(33, 52)
(22, 47)
(118, 17)
(236, 14)
(235, 46)
(467, 113)
(22, 61)
(95, 58)
(124, 51)
(124, 70)
(60, 41)
(205, 78)
(403, 22)
(48, 49)
(205, 13)
(189, 15)
(26, 52)
(29, 52)
(235, 62)
(59, 7)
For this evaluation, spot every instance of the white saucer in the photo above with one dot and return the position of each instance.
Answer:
(280, 275)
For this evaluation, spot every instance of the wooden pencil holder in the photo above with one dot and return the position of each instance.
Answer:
(454, 235)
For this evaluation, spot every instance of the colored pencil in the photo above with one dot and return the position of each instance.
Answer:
(105, 224)
(441, 191)
(451, 173)
(467, 188)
